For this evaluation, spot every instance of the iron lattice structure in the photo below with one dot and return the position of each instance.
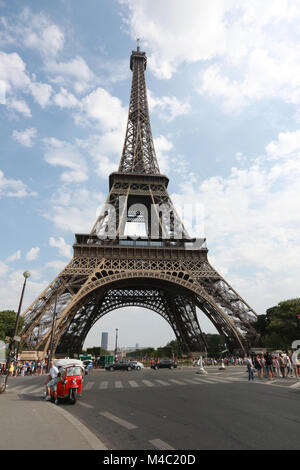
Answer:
(158, 271)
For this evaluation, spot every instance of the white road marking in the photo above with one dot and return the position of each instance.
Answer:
(162, 382)
(296, 385)
(177, 382)
(148, 383)
(27, 389)
(88, 386)
(118, 384)
(161, 445)
(91, 438)
(85, 405)
(133, 383)
(206, 381)
(120, 421)
(194, 381)
(103, 385)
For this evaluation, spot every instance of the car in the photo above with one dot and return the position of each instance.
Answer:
(122, 365)
(137, 365)
(165, 364)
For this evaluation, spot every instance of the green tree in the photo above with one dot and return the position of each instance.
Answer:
(279, 327)
(7, 323)
(215, 344)
(97, 351)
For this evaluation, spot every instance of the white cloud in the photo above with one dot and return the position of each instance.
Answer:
(3, 269)
(286, 143)
(168, 107)
(41, 92)
(13, 188)
(34, 31)
(15, 256)
(100, 108)
(63, 248)
(65, 99)
(11, 289)
(251, 221)
(25, 137)
(248, 51)
(66, 72)
(33, 254)
(19, 105)
(162, 147)
(107, 110)
(13, 73)
(61, 153)
(75, 212)
(56, 265)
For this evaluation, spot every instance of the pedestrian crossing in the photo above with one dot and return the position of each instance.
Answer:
(135, 384)
(205, 380)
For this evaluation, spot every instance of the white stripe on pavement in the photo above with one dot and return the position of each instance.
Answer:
(296, 385)
(177, 382)
(91, 438)
(103, 385)
(118, 384)
(162, 382)
(192, 381)
(133, 383)
(27, 389)
(85, 405)
(161, 445)
(148, 383)
(120, 421)
(88, 386)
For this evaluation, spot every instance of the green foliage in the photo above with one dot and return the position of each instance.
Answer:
(279, 326)
(7, 323)
(215, 344)
(96, 351)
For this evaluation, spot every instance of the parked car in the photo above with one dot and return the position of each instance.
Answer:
(165, 364)
(137, 365)
(124, 365)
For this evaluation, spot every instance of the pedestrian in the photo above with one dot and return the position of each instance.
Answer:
(258, 365)
(11, 369)
(294, 361)
(282, 365)
(264, 367)
(268, 359)
(288, 365)
(53, 373)
(250, 367)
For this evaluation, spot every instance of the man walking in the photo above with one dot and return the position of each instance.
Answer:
(250, 367)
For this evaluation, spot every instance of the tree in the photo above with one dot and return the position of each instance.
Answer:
(97, 351)
(279, 326)
(7, 323)
(215, 344)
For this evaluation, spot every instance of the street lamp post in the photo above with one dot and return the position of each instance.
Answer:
(116, 345)
(52, 333)
(26, 275)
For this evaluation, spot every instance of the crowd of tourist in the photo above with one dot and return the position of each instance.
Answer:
(25, 368)
(273, 365)
(266, 365)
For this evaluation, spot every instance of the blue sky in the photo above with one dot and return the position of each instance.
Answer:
(223, 84)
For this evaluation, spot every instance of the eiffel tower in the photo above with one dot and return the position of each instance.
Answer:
(156, 269)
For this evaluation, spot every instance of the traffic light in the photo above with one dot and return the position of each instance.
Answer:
(298, 321)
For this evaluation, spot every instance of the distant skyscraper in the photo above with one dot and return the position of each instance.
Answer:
(104, 341)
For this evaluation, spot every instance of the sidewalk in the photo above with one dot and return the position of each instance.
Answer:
(30, 423)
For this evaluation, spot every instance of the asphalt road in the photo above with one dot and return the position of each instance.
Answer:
(181, 410)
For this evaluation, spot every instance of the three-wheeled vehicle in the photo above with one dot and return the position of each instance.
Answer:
(70, 385)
